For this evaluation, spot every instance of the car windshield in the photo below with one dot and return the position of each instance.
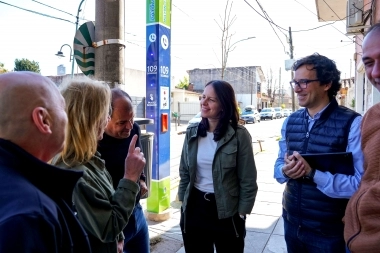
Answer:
(277, 109)
(247, 112)
(265, 110)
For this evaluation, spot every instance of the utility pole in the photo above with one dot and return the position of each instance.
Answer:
(291, 71)
(279, 86)
(109, 36)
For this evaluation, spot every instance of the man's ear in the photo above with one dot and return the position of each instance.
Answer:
(328, 85)
(42, 120)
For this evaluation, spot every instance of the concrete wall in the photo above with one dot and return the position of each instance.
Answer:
(135, 82)
(243, 80)
(179, 95)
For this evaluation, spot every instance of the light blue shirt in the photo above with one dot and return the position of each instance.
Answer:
(334, 186)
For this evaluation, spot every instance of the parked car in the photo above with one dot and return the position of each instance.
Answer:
(197, 118)
(267, 113)
(279, 112)
(251, 116)
(287, 112)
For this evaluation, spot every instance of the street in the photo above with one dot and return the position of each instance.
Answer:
(265, 129)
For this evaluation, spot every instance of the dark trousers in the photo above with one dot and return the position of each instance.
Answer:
(300, 239)
(136, 233)
(202, 229)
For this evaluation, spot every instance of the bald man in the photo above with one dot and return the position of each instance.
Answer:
(114, 149)
(35, 197)
(362, 217)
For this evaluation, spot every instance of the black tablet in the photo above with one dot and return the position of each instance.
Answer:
(341, 162)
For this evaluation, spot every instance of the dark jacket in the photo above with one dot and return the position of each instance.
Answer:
(305, 205)
(35, 205)
(114, 151)
(233, 171)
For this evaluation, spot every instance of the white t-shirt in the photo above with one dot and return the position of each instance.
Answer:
(205, 156)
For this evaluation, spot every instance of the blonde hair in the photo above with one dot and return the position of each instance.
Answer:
(87, 107)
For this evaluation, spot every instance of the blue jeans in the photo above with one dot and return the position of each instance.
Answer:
(299, 239)
(136, 233)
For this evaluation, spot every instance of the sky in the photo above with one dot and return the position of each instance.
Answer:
(195, 34)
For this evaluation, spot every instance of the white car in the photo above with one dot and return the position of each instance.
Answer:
(197, 118)
(279, 112)
(251, 116)
(287, 112)
(268, 113)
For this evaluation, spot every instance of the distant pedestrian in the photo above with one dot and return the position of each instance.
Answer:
(218, 175)
(314, 199)
(362, 219)
(102, 210)
(35, 197)
(114, 149)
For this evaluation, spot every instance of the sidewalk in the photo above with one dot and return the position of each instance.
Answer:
(264, 225)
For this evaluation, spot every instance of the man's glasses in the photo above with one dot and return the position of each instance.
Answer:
(302, 83)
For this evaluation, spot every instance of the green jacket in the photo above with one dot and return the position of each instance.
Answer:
(102, 211)
(233, 171)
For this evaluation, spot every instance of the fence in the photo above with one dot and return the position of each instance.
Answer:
(187, 110)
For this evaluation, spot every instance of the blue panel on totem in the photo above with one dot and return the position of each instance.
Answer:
(158, 96)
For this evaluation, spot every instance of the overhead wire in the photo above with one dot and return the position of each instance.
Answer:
(35, 12)
(53, 8)
(269, 19)
(326, 21)
(58, 9)
(333, 11)
(279, 27)
(283, 29)
(306, 30)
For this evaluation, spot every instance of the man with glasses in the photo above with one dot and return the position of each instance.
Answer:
(315, 199)
(113, 148)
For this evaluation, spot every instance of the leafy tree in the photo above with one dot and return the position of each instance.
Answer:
(184, 84)
(2, 69)
(27, 65)
(352, 103)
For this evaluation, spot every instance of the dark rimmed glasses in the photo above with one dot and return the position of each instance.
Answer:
(302, 83)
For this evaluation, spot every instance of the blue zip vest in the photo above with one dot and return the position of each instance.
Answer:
(304, 205)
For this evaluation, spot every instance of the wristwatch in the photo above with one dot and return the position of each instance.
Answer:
(283, 173)
(310, 176)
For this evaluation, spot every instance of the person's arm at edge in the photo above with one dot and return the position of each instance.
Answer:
(340, 185)
(247, 172)
(104, 216)
(278, 175)
(183, 169)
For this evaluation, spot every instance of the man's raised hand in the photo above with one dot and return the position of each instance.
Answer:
(135, 161)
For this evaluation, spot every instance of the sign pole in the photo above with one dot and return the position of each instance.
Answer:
(158, 24)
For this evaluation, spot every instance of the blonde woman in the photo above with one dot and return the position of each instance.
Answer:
(102, 211)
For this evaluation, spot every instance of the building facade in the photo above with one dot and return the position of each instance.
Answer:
(359, 15)
(247, 82)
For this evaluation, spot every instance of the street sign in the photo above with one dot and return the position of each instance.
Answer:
(84, 52)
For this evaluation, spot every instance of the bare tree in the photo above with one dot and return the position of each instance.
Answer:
(271, 85)
(225, 24)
